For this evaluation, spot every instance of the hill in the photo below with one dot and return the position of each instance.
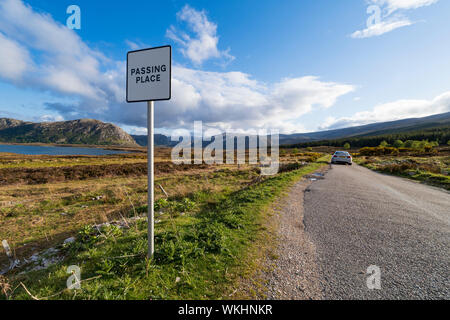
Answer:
(374, 129)
(83, 131)
(160, 140)
(402, 128)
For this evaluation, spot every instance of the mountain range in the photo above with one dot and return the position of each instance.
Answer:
(374, 129)
(95, 132)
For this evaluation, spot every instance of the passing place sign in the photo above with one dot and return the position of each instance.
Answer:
(149, 74)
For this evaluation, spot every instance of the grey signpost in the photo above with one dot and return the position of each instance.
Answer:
(149, 77)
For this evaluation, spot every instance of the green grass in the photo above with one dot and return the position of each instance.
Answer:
(426, 170)
(438, 180)
(199, 255)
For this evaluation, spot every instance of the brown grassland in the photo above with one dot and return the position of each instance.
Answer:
(44, 199)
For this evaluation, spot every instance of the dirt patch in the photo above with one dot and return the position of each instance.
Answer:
(294, 272)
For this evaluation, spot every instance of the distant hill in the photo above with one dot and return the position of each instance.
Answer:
(160, 140)
(95, 132)
(374, 129)
(83, 131)
(6, 123)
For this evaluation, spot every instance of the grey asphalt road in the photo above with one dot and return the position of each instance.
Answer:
(358, 218)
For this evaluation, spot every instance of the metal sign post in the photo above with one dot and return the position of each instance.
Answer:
(149, 77)
(151, 179)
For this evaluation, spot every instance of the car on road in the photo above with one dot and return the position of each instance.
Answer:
(342, 157)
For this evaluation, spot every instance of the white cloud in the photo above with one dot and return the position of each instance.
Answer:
(132, 45)
(380, 28)
(394, 5)
(50, 118)
(233, 100)
(136, 45)
(14, 59)
(66, 66)
(202, 45)
(397, 110)
(387, 21)
(226, 100)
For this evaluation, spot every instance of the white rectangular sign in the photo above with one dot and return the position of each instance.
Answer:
(149, 74)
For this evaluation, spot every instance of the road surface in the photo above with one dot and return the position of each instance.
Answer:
(357, 218)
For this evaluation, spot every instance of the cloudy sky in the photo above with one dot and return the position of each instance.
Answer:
(296, 66)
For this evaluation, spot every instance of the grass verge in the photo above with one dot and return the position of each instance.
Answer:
(410, 169)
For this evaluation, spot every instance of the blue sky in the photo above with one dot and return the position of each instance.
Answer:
(292, 65)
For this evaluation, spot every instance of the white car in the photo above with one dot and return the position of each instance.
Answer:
(342, 157)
